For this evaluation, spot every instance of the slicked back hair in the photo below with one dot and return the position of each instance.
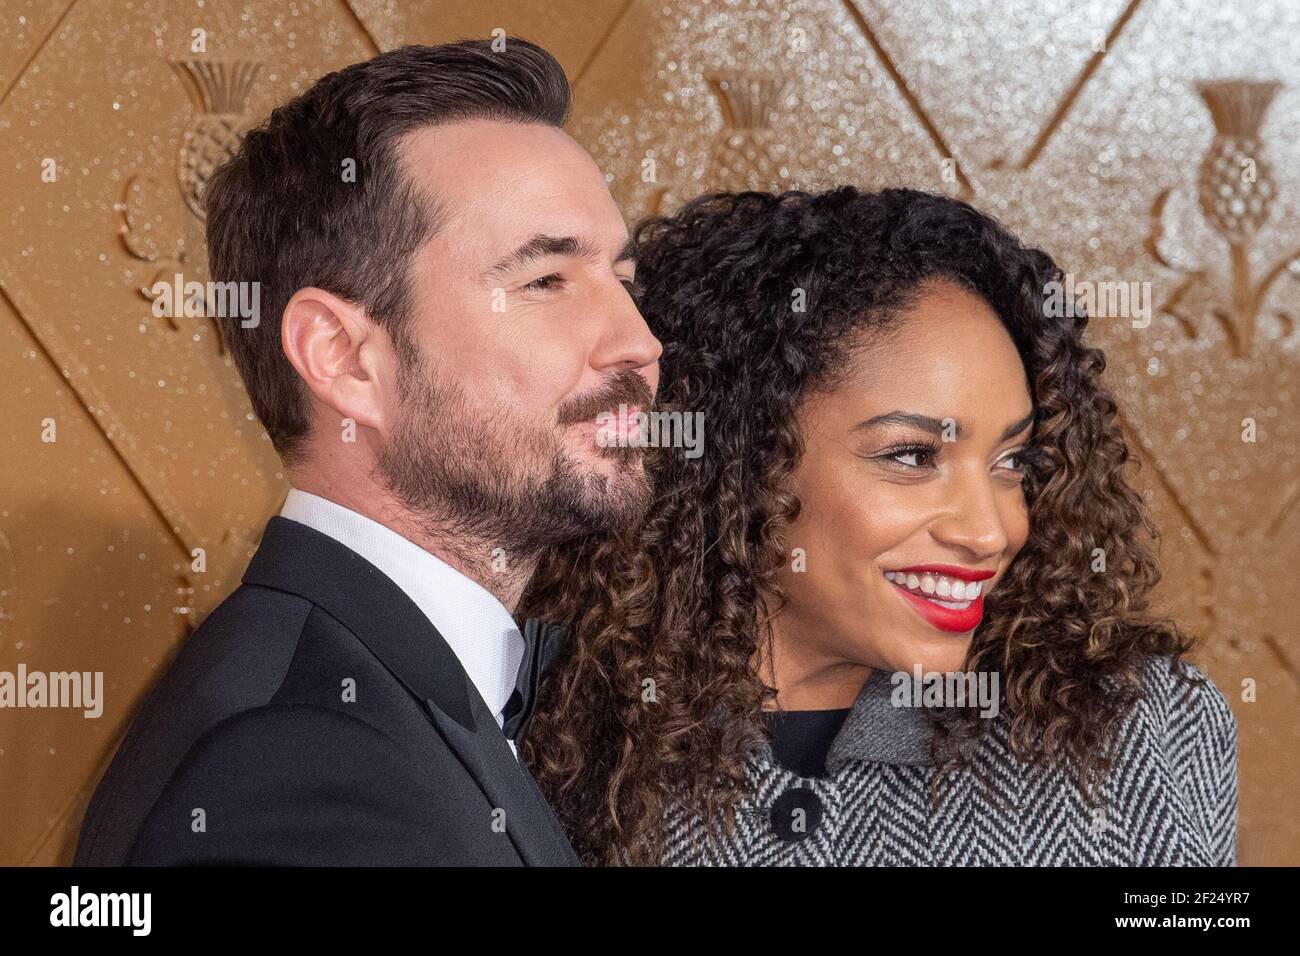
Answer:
(285, 213)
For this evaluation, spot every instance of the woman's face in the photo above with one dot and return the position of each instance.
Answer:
(912, 501)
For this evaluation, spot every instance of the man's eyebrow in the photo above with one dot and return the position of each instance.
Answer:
(540, 246)
(627, 253)
(935, 426)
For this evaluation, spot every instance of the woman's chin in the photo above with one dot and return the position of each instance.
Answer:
(945, 659)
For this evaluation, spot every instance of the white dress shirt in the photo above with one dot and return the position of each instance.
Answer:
(480, 630)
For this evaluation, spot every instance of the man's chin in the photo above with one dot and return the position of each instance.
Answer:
(621, 502)
(615, 495)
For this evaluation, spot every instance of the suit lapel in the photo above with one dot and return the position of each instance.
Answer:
(529, 820)
(299, 560)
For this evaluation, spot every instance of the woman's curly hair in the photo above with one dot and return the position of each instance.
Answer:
(656, 700)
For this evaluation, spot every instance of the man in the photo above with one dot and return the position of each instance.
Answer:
(448, 279)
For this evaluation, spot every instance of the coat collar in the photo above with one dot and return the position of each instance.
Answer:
(299, 560)
(878, 731)
(481, 631)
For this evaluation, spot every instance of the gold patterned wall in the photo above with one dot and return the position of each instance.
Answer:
(1139, 141)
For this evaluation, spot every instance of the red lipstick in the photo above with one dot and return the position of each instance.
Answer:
(950, 619)
(950, 570)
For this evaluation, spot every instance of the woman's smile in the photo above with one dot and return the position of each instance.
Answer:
(947, 597)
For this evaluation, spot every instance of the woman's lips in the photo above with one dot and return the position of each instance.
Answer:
(949, 570)
(945, 618)
(922, 587)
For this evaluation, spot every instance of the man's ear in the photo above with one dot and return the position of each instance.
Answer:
(346, 360)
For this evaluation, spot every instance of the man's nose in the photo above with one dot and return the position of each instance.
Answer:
(625, 341)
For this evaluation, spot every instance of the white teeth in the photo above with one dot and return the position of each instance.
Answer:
(935, 587)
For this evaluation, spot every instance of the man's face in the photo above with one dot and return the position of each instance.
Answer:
(525, 331)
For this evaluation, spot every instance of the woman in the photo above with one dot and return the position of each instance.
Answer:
(910, 466)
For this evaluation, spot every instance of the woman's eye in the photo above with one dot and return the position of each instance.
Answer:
(1019, 457)
(919, 456)
(545, 283)
(1014, 462)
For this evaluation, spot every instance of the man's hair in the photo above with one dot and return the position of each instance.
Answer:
(283, 213)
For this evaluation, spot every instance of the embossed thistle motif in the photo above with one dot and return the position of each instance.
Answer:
(219, 90)
(1236, 203)
(148, 230)
(1236, 193)
(746, 155)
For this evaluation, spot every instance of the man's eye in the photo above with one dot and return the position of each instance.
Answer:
(545, 283)
(633, 288)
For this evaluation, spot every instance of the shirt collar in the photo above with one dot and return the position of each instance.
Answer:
(480, 631)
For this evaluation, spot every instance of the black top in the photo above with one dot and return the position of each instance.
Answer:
(802, 738)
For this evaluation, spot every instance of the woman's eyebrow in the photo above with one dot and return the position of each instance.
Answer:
(935, 426)
(926, 423)
(1016, 428)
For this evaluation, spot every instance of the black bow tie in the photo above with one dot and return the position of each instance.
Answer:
(542, 645)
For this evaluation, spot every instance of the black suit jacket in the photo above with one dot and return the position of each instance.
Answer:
(249, 751)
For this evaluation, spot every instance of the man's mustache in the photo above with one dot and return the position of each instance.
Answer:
(625, 388)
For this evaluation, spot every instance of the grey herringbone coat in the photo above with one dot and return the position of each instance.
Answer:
(1171, 799)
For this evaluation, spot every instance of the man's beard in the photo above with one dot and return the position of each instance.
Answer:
(477, 478)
